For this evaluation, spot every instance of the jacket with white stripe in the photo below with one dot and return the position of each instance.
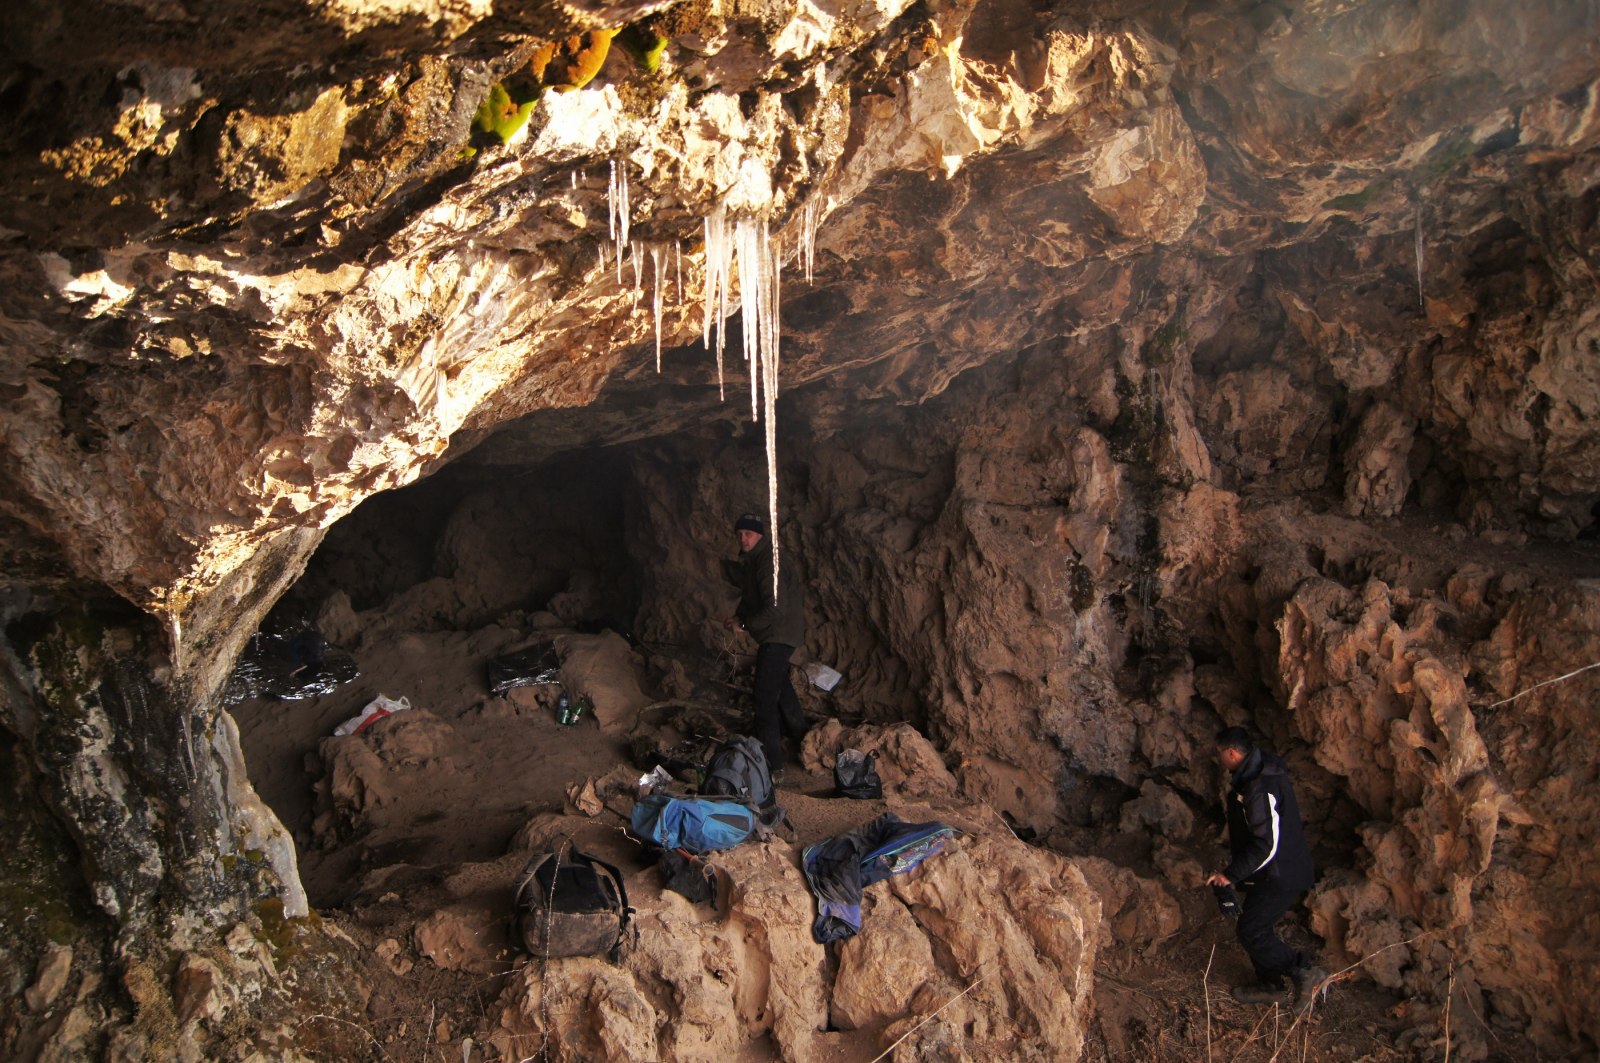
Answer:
(1264, 830)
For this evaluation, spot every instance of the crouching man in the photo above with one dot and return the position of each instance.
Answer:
(1270, 862)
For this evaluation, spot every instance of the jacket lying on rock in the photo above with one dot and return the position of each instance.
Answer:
(839, 868)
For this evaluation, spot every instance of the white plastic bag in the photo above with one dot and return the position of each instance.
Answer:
(376, 709)
(657, 777)
(822, 677)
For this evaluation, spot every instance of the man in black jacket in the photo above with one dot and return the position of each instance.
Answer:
(779, 626)
(1270, 861)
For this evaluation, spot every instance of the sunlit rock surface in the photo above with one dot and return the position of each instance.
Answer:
(1163, 366)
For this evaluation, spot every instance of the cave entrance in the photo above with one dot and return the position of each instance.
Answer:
(421, 586)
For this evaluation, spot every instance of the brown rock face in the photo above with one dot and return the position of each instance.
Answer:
(1156, 367)
(698, 985)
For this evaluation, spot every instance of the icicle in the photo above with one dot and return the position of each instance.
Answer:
(718, 270)
(625, 210)
(574, 179)
(611, 200)
(655, 260)
(677, 257)
(601, 248)
(810, 218)
(747, 242)
(758, 297)
(773, 263)
(1420, 300)
(633, 260)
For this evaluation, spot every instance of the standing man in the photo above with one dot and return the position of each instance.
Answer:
(778, 626)
(1270, 861)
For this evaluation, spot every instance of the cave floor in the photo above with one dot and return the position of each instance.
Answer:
(482, 766)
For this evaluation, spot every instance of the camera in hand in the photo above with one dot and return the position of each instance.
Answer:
(1227, 900)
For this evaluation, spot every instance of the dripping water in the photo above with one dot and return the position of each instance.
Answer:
(1420, 300)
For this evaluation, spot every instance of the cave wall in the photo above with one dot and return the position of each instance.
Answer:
(1258, 271)
(1074, 565)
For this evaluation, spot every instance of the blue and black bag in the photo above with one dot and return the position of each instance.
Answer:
(694, 824)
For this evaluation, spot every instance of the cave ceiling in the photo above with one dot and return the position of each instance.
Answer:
(259, 264)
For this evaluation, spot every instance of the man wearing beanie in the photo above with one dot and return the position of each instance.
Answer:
(778, 627)
(1270, 861)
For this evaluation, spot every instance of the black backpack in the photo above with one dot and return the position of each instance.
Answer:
(572, 904)
(739, 770)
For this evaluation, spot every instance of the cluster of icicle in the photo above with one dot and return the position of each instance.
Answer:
(744, 245)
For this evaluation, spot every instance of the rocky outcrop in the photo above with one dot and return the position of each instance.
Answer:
(1013, 978)
(1472, 808)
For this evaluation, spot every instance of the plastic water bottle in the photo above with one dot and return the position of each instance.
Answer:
(564, 709)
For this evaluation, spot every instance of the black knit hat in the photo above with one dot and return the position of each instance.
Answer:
(1235, 738)
(750, 522)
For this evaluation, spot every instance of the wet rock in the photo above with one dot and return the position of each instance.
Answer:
(50, 978)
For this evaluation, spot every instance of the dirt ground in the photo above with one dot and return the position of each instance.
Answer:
(483, 765)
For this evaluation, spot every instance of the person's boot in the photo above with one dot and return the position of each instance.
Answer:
(1306, 981)
(1261, 993)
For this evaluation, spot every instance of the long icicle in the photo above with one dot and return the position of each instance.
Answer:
(747, 243)
(719, 252)
(655, 260)
(772, 263)
(810, 218)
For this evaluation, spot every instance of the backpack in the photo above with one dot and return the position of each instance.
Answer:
(856, 775)
(685, 873)
(739, 770)
(695, 824)
(572, 904)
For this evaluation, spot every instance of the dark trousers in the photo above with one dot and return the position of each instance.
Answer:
(1264, 905)
(777, 708)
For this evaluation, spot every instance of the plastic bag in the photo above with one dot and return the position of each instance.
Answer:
(533, 666)
(855, 774)
(289, 668)
(821, 676)
(376, 709)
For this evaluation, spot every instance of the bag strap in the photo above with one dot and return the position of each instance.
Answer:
(629, 931)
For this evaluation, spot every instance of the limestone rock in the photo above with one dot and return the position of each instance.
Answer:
(1138, 913)
(1160, 809)
(605, 668)
(907, 763)
(755, 971)
(50, 978)
(462, 939)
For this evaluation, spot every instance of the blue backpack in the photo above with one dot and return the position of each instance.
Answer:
(694, 824)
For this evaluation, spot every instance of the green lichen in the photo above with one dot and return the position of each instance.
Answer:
(1445, 156)
(1158, 350)
(501, 114)
(644, 45)
(1355, 201)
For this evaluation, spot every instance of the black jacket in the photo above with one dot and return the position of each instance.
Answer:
(782, 621)
(1264, 830)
